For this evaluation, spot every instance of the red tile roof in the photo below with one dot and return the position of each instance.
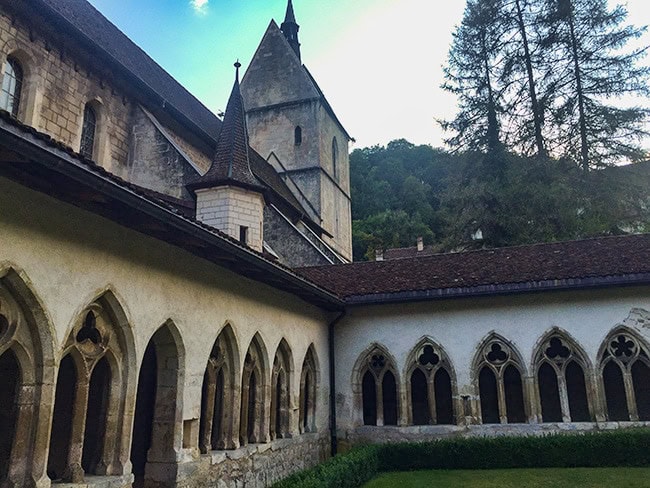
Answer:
(590, 262)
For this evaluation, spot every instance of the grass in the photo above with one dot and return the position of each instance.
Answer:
(517, 478)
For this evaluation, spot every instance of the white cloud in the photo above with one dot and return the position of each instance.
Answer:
(200, 6)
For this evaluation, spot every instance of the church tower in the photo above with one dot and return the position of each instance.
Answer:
(291, 124)
(229, 197)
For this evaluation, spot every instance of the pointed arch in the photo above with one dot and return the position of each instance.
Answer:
(255, 394)
(430, 385)
(158, 423)
(624, 374)
(562, 371)
(27, 343)
(220, 407)
(309, 383)
(373, 364)
(498, 370)
(281, 408)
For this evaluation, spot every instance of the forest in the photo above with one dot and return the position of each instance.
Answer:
(541, 147)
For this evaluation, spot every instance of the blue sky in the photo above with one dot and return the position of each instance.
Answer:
(378, 61)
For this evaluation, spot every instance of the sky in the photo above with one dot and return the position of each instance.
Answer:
(379, 62)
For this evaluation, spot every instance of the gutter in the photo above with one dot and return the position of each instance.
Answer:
(332, 358)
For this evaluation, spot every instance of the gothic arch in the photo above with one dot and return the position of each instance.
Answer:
(158, 424)
(563, 379)
(101, 339)
(27, 354)
(375, 384)
(309, 384)
(220, 399)
(255, 392)
(624, 375)
(498, 375)
(430, 382)
(281, 399)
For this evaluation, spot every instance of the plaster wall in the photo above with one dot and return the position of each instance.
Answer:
(459, 327)
(69, 257)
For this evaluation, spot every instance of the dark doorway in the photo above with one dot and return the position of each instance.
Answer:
(615, 393)
(10, 381)
(419, 399)
(577, 392)
(487, 385)
(144, 413)
(444, 401)
(549, 394)
(641, 381)
(96, 416)
(514, 395)
(369, 397)
(306, 401)
(389, 390)
(64, 400)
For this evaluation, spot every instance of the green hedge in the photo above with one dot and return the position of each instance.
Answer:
(602, 449)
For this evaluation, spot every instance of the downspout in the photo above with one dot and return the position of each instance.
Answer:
(332, 325)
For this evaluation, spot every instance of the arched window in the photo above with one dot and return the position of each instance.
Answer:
(297, 136)
(279, 427)
(625, 367)
(431, 386)
(220, 385)
(561, 381)
(252, 419)
(379, 389)
(499, 380)
(12, 84)
(335, 157)
(88, 129)
(308, 388)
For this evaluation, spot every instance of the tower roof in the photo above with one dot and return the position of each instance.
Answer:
(231, 163)
(290, 29)
(290, 16)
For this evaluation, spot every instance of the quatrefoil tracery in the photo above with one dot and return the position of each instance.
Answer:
(377, 362)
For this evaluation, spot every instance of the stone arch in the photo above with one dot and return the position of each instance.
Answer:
(100, 334)
(564, 382)
(373, 366)
(433, 402)
(158, 424)
(281, 400)
(498, 375)
(253, 427)
(27, 334)
(220, 401)
(297, 136)
(99, 146)
(624, 375)
(31, 92)
(309, 384)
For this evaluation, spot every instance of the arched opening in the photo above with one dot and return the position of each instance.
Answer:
(420, 399)
(335, 157)
(444, 397)
(10, 381)
(549, 394)
(369, 395)
(514, 394)
(308, 385)
(389, 398)
(254, 414)
(577, 392)
(615, 393)
(641, 382)
(88, 130)
(144, 413)
(306, 402)
(61, 436)
(96, 414)
(297, 136)
(252, 400)
(218, 414)
(280, 387)
(488, 392)
(12, 85)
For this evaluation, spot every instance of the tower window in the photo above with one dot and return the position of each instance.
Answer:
(12, 84)
(335, 155)
(88, 132)
(243, 234)
(297, 136)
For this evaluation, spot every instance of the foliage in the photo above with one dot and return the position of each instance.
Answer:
(603, 449)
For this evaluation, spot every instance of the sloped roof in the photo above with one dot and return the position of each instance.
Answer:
(408, 252)
(81, 18)
(591, 262)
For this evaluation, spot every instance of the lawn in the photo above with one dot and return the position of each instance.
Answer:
(516, 478)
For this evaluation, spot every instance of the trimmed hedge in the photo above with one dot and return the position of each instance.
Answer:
(601, 449)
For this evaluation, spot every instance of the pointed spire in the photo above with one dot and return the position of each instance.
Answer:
(231, 165)
(290, 28)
